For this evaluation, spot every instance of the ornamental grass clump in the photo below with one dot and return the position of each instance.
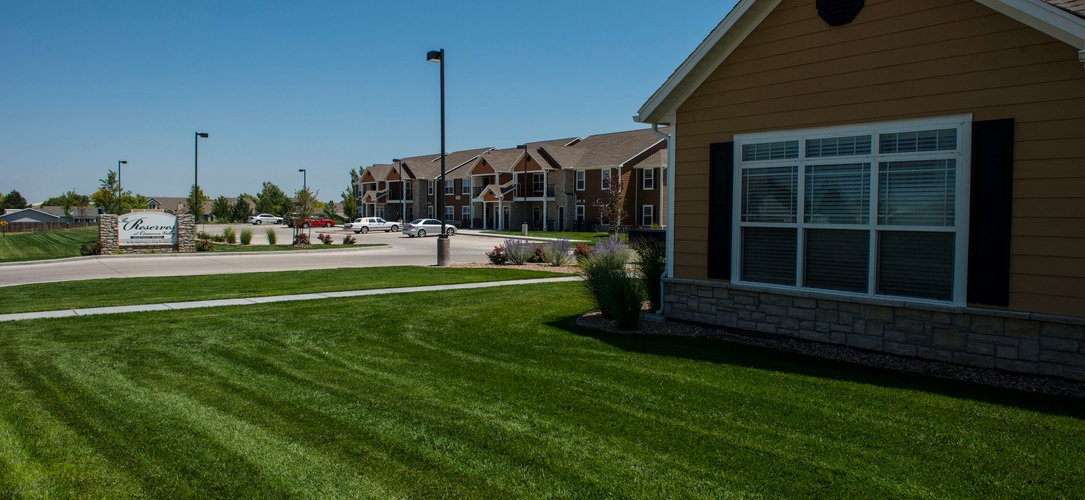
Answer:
(271, 237)
(229, 234)
(556, 252)
(617, 295)
(651, 263)
(246, 236)
(519, 251)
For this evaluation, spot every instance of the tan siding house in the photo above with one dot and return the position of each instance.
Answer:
(909, 181)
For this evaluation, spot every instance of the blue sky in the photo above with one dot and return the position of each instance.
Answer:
(325, 86)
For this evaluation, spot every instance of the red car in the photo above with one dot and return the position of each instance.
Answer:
(313, 222)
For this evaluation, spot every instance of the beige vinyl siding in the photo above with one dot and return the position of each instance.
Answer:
(899, 60)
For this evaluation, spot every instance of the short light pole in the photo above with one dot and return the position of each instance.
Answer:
(120, 189)
(444, 247)
(304, 185)
(196, 208)
(523, 191)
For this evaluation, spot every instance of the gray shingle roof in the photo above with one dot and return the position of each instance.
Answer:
(1076, 7)
(608, 150)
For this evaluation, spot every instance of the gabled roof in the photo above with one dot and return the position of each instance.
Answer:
(503, 160)
(379, 171)
(429, 166)
(1063, 20)
(617, 149)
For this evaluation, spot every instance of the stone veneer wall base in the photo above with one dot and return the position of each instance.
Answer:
(109, 232)
(1014, 341)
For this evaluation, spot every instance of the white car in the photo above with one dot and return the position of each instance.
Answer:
(262, 218)
(364, 225)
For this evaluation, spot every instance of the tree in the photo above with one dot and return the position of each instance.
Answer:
(329, 210)
(66, 201)
(612, 205)
(14, 200)
(129, 201)
(272, 200)
(350, 203)
(195, 202)
(221, 209)
(305, 205)
(242, 210)
(108, 193)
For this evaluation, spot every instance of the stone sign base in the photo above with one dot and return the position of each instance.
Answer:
(109, 233)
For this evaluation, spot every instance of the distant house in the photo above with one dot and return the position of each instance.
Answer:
(906, 177)
(88, 214)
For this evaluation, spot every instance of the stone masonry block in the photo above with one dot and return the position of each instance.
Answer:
(866, 342)
(1029, 350)
(988, 324)
(935, 354)
(1013, 365)
(880, 313)
(803, 314)
(1022, 328)
(949, 339)
(900, 349)
(1062, 330)
(909, 325)
(1006, 352)
(804, 303)
(969, 359)
(775, 299)
(1058, 344)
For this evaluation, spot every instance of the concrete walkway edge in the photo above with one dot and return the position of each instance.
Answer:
(174, 306)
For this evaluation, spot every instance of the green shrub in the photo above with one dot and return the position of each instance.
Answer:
(556, 252)
(229, 234)
(617, 295)
(246, 236)
(203, 236)
(204, 245)
(651, 264)
(271, 238)
(92, 248)
(519, 251)
(498, 256)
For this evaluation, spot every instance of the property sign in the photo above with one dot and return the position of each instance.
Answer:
(147, 228)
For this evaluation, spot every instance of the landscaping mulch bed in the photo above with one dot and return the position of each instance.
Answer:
(998, 378)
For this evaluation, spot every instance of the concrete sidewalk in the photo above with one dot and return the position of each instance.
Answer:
(170, 306)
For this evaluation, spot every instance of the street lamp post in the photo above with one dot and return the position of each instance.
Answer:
(196, 180)
(443, 245)
(120, 189)
(402, 191)
(304, 185)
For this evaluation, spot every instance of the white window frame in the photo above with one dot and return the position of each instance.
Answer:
(450, 186)
(962, 156)
(465, 214)
(578, 213)
(429, 211)
(580, 175)
(647, 212)
(465, 186)
(648, 179)
(538, 185)
(605, 179)
(429, 185)
(450, 212)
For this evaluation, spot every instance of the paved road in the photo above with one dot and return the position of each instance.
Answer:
(401, 250)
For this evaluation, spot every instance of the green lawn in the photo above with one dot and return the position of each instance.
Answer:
(131, 291)
(222, 247)
(43, 245)
(589, 237)
(491, 393)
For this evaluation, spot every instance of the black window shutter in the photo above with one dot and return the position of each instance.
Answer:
(720, 207)
(989, 222)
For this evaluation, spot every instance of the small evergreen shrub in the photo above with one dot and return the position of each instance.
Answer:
(92, 248)
(271, 236)
(246, 236)
(498, 256)
(229, 235)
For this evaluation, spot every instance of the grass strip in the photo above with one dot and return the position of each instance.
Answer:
(132, 291)
(485, 393)
(588, 237)
(44, 245)
(220, 247)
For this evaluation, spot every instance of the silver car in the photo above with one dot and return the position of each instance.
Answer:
(262, 218)
(422, 227)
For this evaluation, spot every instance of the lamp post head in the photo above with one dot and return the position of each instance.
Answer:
(435, 55)
(301, 170)
(202, 134)
(122, 162)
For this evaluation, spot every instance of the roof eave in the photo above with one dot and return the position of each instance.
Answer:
(1045, 18)
(719, 44)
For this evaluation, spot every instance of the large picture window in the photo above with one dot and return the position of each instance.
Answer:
(867, 210)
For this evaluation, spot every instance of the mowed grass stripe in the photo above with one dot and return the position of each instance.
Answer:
(497, 393)
(43, 245)
(136, 291)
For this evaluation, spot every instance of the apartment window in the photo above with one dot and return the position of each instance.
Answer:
(537, 183)
(410, 191)
(579, 180)
(465, 186)
(429, 211)
(873, 211)
(579, 212)
(429, 185)
(647, 215)
(450, 186)
(465, 214)
(648, 179)
(604, 179)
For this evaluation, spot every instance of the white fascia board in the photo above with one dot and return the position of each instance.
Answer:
(1043, 17)
(719, 44)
